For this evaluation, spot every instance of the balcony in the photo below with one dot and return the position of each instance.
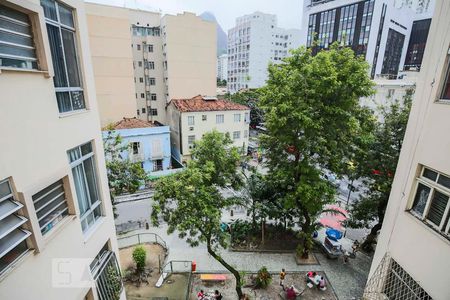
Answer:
(108, 280)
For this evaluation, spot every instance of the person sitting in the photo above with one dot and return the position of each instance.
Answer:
(217, 295)
(310, 277)
(201, 295)
(321, 285)
(316, 280)
(290, 293)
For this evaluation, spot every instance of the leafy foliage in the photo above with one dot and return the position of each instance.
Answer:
(249, 98)
(139, 256)
(314, 121)
(379, 165)
(190, 201)
(263, 278)
(114, 282)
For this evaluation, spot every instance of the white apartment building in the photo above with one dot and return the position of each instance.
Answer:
(253, 43)
(57, 235)
(412, 258)
(222, 67)
(191, 118)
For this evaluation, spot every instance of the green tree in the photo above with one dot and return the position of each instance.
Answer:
(139, 257)
(313, 116)
(190, 201)
(379, 166)
(249, 98)
(124, 176)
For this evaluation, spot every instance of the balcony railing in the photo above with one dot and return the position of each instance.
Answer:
(108, 280)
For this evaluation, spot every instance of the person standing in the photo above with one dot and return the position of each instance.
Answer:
(282, 277)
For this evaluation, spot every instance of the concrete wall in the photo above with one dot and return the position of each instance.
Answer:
(34, 147)
(420, 250)
(112, 61)
(190, 51)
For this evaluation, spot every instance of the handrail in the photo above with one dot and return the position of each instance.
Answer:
(158, 239)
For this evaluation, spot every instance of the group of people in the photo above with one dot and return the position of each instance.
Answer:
(213, 296)
(316, 280)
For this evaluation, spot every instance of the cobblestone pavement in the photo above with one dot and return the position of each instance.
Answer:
(347, 280)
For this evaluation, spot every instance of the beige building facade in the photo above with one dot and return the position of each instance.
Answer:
(191, 118)
(56, 219)
(412, 258)
(112, 61)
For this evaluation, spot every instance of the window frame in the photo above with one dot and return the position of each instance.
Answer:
(445, 80)
(191, 120)
(220, 117)
(433, 186)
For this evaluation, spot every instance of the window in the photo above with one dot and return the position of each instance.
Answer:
(153, 112)
(247, 118)
(245, 133)
(219, 119)
(393, 53)
(158, 165)
(151, 81)
(12, 237)
(204, 118)
(151, 65)
(141, 80)
(143, 110)
(190, 120)
(138, 47)
(16, 40)
(142, 95)
(61, 35)
(153, 97)
(140, 63)
(236, 135)
(150, 48)
(191, 140)
(446, 89)
(135, 147)
(431, 202)
(237, 118)
(84, 174)
(50, 205)
(391, 93)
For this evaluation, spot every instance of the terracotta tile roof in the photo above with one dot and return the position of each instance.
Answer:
(128, 123)
(198, 103)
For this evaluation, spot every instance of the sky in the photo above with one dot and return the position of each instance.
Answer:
(289, 12)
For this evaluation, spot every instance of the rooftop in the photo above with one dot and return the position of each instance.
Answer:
(202, 103)
(129, 123)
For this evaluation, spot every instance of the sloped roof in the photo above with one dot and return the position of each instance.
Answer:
(198, 103)
(129, 123)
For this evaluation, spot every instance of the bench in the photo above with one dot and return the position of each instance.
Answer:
(213, 277)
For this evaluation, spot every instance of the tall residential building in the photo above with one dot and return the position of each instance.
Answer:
(222, 67)
(253, 43)
(412, 258)
(112, 61)
(57, 235)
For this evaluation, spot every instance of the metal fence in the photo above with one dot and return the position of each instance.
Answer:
(139, 238)
(179, 266)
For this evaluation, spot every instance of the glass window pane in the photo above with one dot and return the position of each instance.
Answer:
(63, 99)
(77, 100)
(74, 154)
(65, 15)
(444, 180)
(446, 90)
(5, 189)
(12, 255)
(421, 198)
(9, 25)
(17, 39)
(437, 208)
(80, 188)
(429, 174)
(71, 58)
(60, 79)
(91, 179)
(49, 9)
(17, 51)
(86, 148)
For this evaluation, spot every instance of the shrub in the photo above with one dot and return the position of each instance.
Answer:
(139, 256)
(263, 278)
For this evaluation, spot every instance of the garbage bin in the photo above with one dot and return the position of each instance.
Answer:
(193, 266)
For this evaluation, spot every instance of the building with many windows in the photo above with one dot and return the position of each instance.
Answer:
(412, 257)
(253, 43)
(57, 234)
(222, 67)
(191, 118)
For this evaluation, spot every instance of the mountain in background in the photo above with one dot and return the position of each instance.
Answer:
(222, 39)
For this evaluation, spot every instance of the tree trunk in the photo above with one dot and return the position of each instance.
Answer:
(236, 274)
(367, 245)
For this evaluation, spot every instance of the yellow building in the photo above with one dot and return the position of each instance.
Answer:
(56, 219)
(412, 258)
